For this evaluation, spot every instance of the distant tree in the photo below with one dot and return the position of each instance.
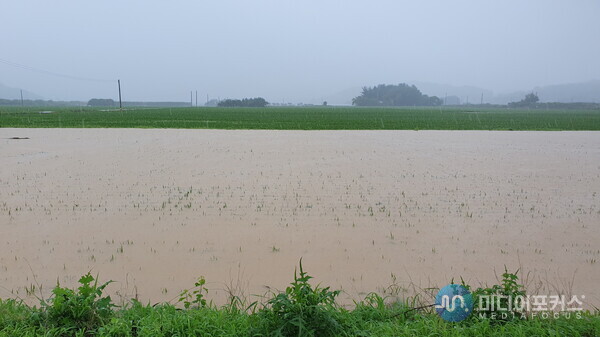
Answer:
(530, 100)
(228, 103)
(101, 102)
(257, 102)
(324, 103)
(394, 95)
(433, 100)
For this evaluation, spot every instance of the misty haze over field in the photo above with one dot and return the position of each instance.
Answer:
(293, 51)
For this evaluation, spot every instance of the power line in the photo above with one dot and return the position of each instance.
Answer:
(51, 73)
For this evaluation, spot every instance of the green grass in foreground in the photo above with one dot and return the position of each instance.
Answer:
(305, 118)
(302, 310)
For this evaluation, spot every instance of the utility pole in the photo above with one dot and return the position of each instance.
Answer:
(481, 98)
(191, 99)
(196, 98)
(22, 98)
(120, 102)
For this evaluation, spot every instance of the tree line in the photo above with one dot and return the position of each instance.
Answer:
(257, 102)
(394, 95)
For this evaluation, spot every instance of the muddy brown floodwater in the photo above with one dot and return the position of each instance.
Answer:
(365, 210)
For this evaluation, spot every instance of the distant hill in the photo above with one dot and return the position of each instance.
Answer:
(588, 92)
(456, 94)
(14, 93)
(573, 92)
(465, 93)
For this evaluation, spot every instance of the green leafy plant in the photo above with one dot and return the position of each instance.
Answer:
(194, 297)
(505, 297)
(302, 310)
(81, 309)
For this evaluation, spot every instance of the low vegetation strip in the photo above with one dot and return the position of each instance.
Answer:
(301, 310)
(304, 118)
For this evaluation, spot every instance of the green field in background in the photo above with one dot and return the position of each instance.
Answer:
(304, 118)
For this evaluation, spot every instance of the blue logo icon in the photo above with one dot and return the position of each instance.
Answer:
(454, 303)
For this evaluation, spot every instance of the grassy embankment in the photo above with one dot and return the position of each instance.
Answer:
(302, 310)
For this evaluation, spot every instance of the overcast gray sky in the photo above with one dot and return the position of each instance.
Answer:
(292, 50)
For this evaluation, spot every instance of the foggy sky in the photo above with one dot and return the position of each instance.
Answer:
(292, 50)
